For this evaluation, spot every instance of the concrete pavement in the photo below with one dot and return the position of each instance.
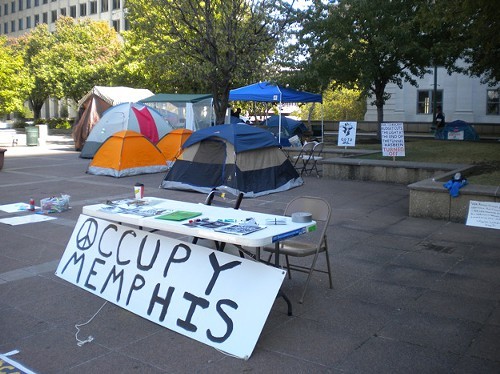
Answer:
(410, 295)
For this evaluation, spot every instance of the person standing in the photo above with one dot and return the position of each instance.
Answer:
(439, 123)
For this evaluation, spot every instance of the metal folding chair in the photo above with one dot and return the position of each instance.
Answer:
(302, 247)
(311, 164)
(301, 159)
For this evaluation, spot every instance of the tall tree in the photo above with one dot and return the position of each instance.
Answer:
(14, 81)
(366, 44)
(70, 61)
(207, 44)
(34, 47)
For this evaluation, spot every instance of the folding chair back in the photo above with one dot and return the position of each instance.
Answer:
(312, 162)
(299, 160)
(219, 198)
(321, 213)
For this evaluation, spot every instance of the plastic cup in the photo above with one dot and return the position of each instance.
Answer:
(139, 190)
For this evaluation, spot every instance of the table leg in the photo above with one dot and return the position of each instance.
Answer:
(281, 292)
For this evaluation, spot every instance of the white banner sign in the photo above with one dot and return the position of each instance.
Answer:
(216, 298)
(484, 214)
(347, 134)
(393, 139)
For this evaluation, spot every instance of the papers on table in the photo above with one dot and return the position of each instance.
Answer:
(143, 208)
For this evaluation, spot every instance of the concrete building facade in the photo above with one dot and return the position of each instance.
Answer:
(461, 97)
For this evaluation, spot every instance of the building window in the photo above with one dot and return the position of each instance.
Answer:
(37, 19)
(62, 11)
(12, 26)
(28, 22)
(45, 1)
(45, 18)
(13, 7)
(20, 24)
(72, 11)
(93, 7)
(116, 4)
(493, 102)
(28, 4)
(104, 5)
(116, 25)
(53, 16)
(6, 28)
(5, 9)
(37, 2)
(20, 6)
(425, 101)
(83, 10)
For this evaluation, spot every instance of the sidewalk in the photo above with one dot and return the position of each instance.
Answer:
(410, 295)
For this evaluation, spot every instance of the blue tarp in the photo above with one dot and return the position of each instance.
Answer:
(269, 92)
(242, 137)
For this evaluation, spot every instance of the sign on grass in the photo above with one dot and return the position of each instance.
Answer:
(484, 214)
(216, 298)
(347, 134)
(393, 139)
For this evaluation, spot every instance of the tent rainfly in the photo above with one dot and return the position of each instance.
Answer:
(126, 116)
(95, 102)
(127, 153)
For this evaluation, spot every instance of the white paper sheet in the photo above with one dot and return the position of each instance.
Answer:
(21, 220)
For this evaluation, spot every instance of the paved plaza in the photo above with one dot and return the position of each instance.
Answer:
(410, 295)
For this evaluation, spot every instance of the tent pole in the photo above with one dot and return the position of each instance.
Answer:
(322, 124)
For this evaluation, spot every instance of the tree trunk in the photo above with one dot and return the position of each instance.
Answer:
(36, 106)
(380, 98)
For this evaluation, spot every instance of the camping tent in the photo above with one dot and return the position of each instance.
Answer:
(95, 102)
(269, 92)
(127, 153)
(234, 157)
(170, 145)
(126, 116)
(190, 111)
(457, 130)
(291, 125)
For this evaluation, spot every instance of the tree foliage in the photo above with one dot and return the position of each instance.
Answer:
(204, 46)
(365, 44)
(14, 81)
(70, 61)
(467, 30)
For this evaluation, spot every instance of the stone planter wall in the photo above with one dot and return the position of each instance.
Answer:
(428, 197)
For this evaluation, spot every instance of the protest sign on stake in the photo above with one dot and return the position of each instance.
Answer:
(347, 134)
(393, 139)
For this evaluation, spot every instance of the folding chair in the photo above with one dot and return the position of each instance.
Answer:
(311, 164)
(321, 212)
(304, 154)
(221, 200)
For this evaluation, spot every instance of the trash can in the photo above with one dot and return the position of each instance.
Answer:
(31, 135)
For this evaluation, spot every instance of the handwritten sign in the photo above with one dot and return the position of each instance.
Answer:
(484, 214)
(347, 134)
(393, 139)
(213, 297)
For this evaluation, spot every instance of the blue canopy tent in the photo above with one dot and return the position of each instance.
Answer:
(269, 92)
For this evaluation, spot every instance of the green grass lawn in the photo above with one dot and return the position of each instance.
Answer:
(484, 154)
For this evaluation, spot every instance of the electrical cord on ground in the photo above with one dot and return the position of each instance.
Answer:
(80, 343)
